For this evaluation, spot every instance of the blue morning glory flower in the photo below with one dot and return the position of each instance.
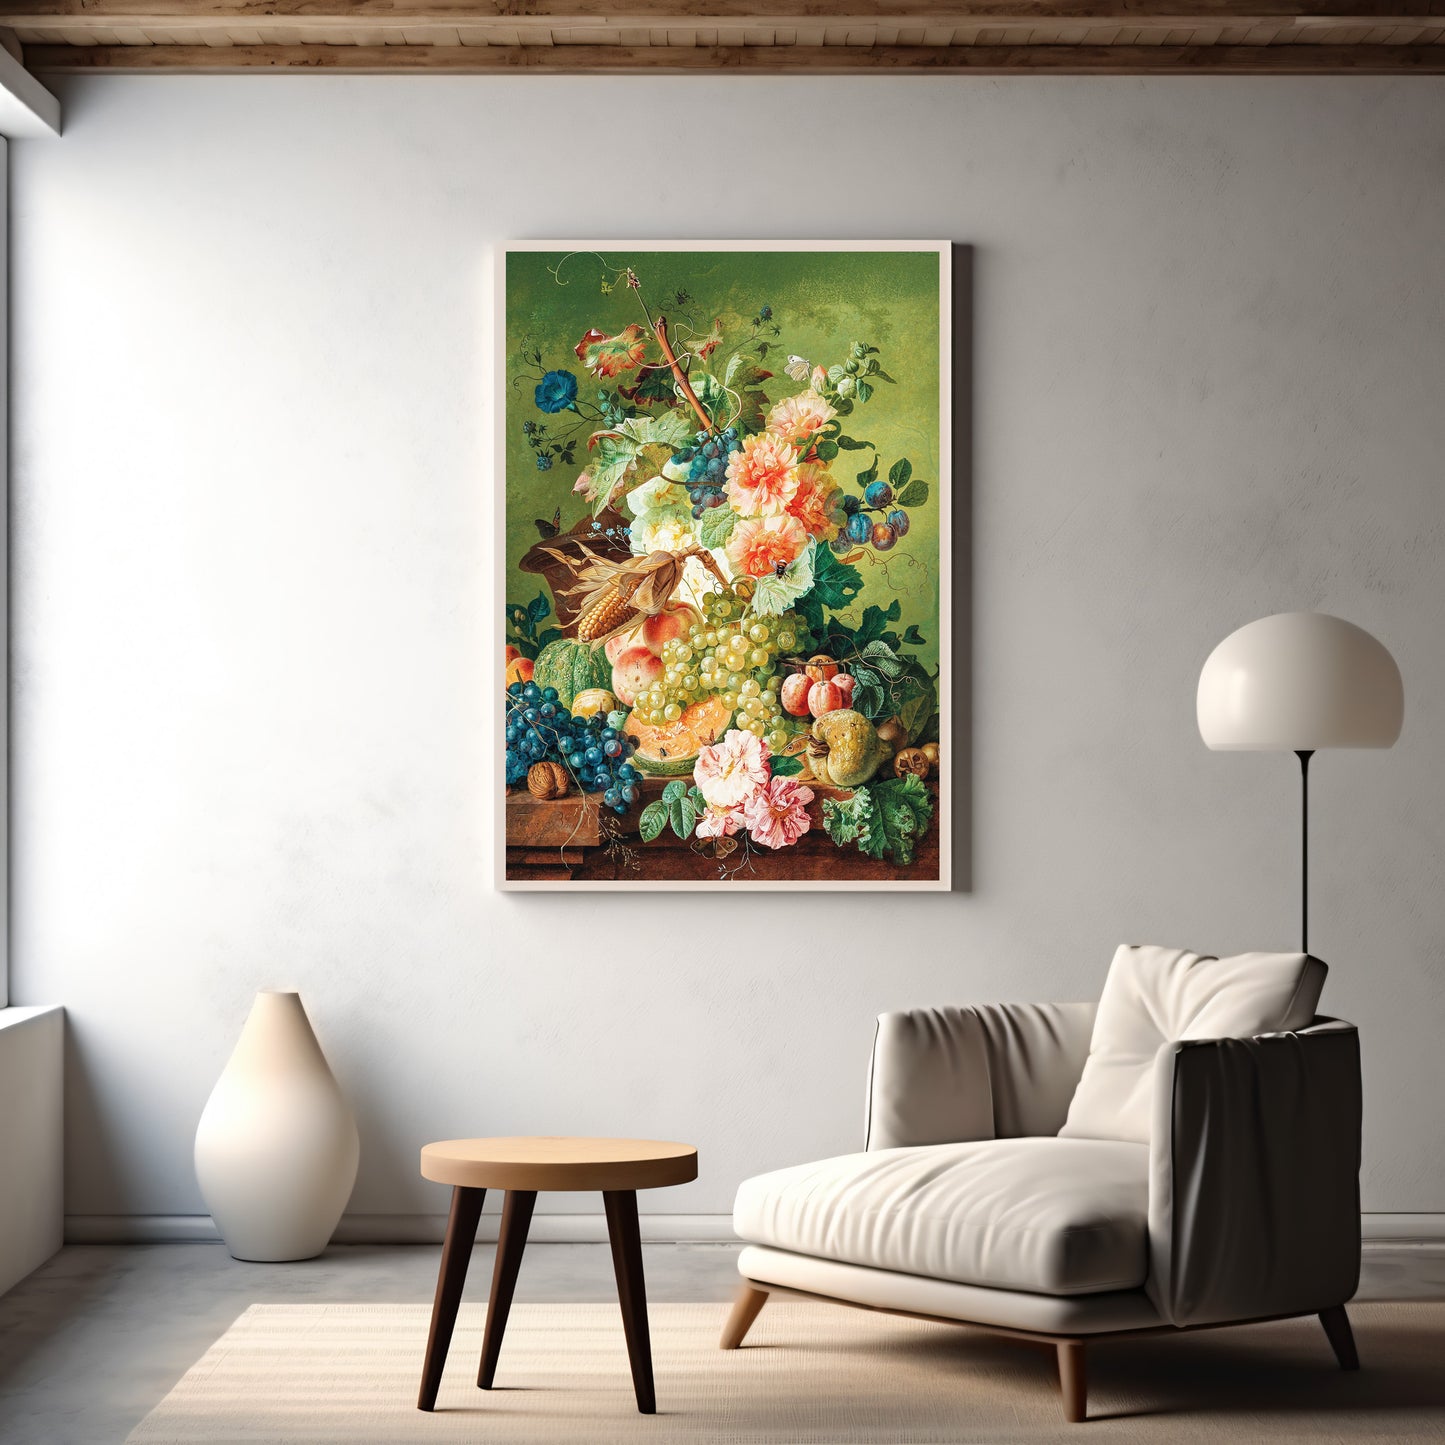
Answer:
(556, 391)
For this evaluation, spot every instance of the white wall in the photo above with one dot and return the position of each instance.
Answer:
(252, 708)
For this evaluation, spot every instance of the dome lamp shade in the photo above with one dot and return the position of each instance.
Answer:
(1298, 682)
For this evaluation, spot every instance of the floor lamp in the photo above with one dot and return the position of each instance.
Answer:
(1297, 682)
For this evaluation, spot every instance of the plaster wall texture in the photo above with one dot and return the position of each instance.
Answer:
(254, 708)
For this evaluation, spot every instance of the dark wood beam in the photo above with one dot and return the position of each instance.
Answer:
(21, 14)
(762, 59)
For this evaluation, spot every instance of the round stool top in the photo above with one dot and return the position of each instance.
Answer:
(559, 1163)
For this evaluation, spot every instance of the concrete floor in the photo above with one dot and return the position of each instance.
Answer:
(94, 1339)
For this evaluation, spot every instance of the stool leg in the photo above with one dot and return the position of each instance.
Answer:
(621, 1206)
(516, 1217)
(456, 1252)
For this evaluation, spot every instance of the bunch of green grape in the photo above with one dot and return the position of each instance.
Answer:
(732, 654)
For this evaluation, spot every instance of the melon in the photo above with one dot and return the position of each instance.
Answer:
(571, 667)
(669, 750)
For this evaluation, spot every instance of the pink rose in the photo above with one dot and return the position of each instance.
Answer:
(777, 814)
(729, 772)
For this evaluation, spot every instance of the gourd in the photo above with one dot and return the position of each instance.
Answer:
(571, 667)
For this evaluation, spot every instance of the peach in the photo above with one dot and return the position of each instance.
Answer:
(675, 620)
(845, 682)
(520, 669)
(821, 668)
(616, 646)
(635, 670)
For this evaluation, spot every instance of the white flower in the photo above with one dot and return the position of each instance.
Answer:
(662, 529)
(659, 492)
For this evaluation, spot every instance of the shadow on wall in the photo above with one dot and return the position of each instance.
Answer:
(960, 740)
(91, 1163)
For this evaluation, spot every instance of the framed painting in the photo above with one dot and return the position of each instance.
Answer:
(724, 581)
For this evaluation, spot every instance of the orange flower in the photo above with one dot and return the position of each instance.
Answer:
(799, 419)
(759, 546)
(817, 504)
(762, 477)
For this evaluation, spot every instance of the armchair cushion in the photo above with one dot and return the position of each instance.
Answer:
(1053, 1216)
(1155, 996)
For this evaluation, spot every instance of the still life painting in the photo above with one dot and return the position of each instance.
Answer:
(725, 585)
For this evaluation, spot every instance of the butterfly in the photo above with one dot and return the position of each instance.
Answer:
(549, 529)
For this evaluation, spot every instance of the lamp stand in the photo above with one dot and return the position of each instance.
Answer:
(1304, 756)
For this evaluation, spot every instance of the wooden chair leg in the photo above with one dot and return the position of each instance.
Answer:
(746, 1308)
(1341, 1336)
(456, 1253)
(1073, 1380)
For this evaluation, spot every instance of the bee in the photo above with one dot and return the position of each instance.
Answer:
(779, 569)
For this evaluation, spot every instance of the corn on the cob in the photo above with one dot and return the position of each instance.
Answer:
(606, 613)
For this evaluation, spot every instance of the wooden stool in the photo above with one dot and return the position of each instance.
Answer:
(617, 1167)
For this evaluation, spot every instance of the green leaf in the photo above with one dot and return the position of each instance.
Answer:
(900, 472)
(916, 708)
(870, 696)
(850, 444)
(913, 637)
(883, 376)
(825, 450)
(915, 494)
(874, 623)
(835, 583)
(538, 608)
(652, 821)
(716, 525)
(546, 636)
(847, 820)
(902, 811)
(865, 392)
(656, 384)
(786, 767)
(884, 659)
(681, 811)
(870, 474)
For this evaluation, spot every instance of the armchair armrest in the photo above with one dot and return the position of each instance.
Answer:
(994, 1071)
(1254, 1199)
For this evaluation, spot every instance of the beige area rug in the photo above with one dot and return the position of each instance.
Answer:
(808, 1373)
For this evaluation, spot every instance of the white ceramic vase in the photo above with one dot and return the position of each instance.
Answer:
(276, 1148)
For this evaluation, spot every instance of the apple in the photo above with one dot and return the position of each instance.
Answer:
(794, 695)
(675, 620)
(824, 697)
(845, 682)
(635, 670)
(821, 668)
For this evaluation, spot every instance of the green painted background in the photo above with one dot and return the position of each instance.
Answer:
(822, 302)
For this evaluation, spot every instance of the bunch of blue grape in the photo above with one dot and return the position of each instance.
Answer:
(707, 467)
(872, 520)
(539, 729)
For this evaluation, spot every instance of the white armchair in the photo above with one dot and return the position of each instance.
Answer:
(1183, 1156)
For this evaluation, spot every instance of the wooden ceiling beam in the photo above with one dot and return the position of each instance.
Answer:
(762, 59)
(48, 14)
